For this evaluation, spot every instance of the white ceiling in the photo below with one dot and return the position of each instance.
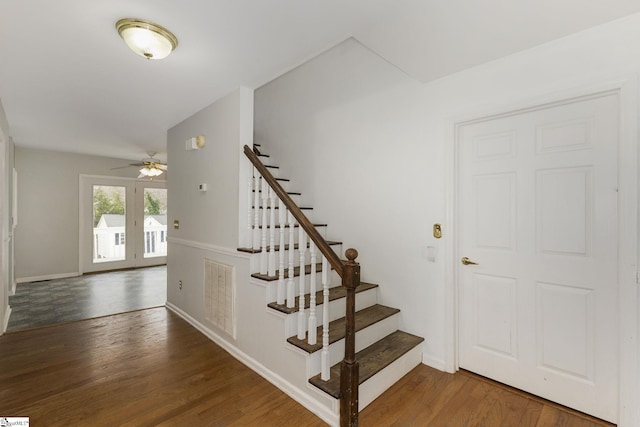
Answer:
(69, 83)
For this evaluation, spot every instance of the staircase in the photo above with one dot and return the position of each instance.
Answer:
(348, 326)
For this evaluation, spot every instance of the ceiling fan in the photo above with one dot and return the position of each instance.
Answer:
(150, 167)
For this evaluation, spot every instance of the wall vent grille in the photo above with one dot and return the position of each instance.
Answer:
(219, 296)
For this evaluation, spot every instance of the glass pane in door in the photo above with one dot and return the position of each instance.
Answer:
(109, 223)
(155, 222)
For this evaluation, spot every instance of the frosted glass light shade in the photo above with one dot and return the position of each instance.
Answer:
(150, 171)
(146, 39)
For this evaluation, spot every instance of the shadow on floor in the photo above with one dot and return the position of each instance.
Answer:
(49, 302)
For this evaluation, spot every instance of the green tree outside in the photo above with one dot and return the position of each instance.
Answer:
(107, 200)
(152, 205)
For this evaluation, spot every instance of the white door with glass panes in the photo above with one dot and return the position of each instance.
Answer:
(123, 223)
(152, 236)
(537, 248)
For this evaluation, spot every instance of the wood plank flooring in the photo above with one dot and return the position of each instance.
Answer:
(150, 368)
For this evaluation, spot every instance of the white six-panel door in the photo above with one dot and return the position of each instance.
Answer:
(537, 212)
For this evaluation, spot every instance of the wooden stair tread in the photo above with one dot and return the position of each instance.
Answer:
(296, 273)
(286, 247)
(302, 208)
(372, 360)
(296, 226)
(335, 293)
(364, 318)
(291, 193)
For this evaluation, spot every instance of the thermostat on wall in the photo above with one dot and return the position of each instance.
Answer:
(202, 187)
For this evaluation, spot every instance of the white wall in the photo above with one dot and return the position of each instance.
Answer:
(46, 238)
(371, 150)
(208, 220)
(6, 171)
(207, 217)
(212, 226)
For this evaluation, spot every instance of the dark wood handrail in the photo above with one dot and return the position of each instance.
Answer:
(302, 219)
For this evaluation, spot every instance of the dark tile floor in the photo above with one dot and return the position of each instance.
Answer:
(48, 302)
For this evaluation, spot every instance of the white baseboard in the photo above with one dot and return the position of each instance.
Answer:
(46, 277)
(434, 362)
(291, 390)
(5, 321)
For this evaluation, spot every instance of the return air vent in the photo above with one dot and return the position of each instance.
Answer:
(219, 296)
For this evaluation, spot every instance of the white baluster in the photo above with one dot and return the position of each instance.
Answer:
(302, 249)
(249, 213)
(256, 209)
(282, 218)
(324, 360)
(313, 321)
(291, 292)
(265, 225)
(272, 234)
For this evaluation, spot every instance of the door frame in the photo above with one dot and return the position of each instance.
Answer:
(133, 245)
(141, 261)
(628, 296)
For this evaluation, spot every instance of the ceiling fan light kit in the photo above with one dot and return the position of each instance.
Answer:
(150, 171)
(151, 167)
(146, 38)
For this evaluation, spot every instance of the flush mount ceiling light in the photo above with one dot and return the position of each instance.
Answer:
(146, 38)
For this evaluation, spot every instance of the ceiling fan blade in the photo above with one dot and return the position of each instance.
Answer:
(161, 166)
(129, 166)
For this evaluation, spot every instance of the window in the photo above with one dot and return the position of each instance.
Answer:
(109, 222)
(150, 242)
(119, 239)
(155, 222)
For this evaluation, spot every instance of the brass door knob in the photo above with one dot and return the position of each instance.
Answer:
(467, 261)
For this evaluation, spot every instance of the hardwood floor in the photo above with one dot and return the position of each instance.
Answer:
(150, 367)
(428, 397)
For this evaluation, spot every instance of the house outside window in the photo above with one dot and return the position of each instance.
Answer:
(119, 239)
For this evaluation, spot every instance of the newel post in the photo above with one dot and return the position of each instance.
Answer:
(349, 369)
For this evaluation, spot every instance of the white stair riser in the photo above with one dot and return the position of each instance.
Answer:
(321, 229)
(297, 198)
(284, 184)
(274, 171)
(336, 310)
(364, 338)
(379, 383)
(255, 262)
(363, 300)
(272, 286)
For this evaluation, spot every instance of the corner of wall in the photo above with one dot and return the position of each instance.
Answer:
(245, 169)
(6, 241)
